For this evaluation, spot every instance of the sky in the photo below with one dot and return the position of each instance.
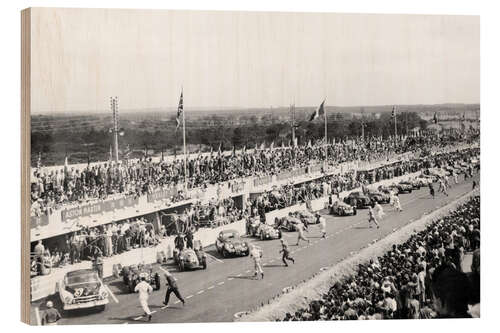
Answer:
(81, 57)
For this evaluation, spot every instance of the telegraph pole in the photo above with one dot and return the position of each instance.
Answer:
(114, 109)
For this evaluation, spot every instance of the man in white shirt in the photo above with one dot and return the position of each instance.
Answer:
(256, 255)
(144, 289)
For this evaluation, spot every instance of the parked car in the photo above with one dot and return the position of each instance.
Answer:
(229, 243)
(288, 223)
(358, 200)
(340, 208)
(307, 217)
(191, 258)
(402, 187)
(132, 276)
(415, 185)
(265, 231)
(82, 288)
(378, 196)
(388, 190)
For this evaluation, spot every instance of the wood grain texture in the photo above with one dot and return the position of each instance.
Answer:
(25, 162)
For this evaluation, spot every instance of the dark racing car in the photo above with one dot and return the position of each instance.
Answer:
(358, 200)
(191, 258)
(340, 208)
(378, 196)
(229, 243)
(132, 276)
(82, 289)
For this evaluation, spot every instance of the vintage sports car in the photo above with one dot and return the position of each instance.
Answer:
(415, 185)
(388, 190)
(191, 258)
(229, 243)
(358, 199)
(265, 231)
(307, 217)
(82, 289)
(132, 276)
(340, 208)
(425, 180)
(288, 223)
(253, 225)
(378, 196)
(403, 187)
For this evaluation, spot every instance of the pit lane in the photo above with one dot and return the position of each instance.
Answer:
(228, 286)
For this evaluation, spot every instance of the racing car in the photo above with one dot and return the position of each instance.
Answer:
(358, 199)
(402, 187)
(415, 185)
(288, 223)
(340, 208)
(132, 276)
(387, 190)
(378, 196)
(82, 289)
(307, 217)
(191, 258)
(266, 231)
(229, 243)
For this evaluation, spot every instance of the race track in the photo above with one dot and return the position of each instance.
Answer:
(228, 286)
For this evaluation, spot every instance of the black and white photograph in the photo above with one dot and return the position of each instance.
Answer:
(197, 166)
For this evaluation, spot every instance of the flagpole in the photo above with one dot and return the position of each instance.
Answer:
(326, 135)
(184, 138)
(395, 126)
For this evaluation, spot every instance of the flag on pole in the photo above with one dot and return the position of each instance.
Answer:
(39, 161)
(110, 153)
(219, 152)
(272, 146)
(180, 111)
(66, 167)
(435, 118)
(393, 113)
(211, 151)
(320, 111)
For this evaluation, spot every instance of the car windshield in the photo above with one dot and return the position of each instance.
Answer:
(230, 235)
(82, 278)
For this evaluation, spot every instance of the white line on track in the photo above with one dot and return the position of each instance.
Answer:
(164, 307)
(247, 271)
(211, 287)
(177, 302)
(188, 297)
(229, 279)
(220, 283)
(137, 318)
(37, 315)
(239, 275)
(200, 292)
(211, 256)
(111, 294)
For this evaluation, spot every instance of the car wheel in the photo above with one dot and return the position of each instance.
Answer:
(181, 266)
(225, 254)
(157, 281)
(131, 286)
(261, 235)
(355, 211)
(101, 308)
(279, 234)
(204, 263)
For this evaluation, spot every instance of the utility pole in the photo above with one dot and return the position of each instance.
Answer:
(114, 109)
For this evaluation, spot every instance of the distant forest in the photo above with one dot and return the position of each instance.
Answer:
(88, 138)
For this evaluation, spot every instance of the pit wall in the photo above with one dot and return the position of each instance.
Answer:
(299, 297)
(45, 285)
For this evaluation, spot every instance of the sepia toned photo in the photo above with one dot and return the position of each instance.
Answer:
(218, 166)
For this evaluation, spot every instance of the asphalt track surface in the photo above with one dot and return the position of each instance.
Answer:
(228, 286)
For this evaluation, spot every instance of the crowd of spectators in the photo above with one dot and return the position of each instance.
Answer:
(52, 189)
(420, 278)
